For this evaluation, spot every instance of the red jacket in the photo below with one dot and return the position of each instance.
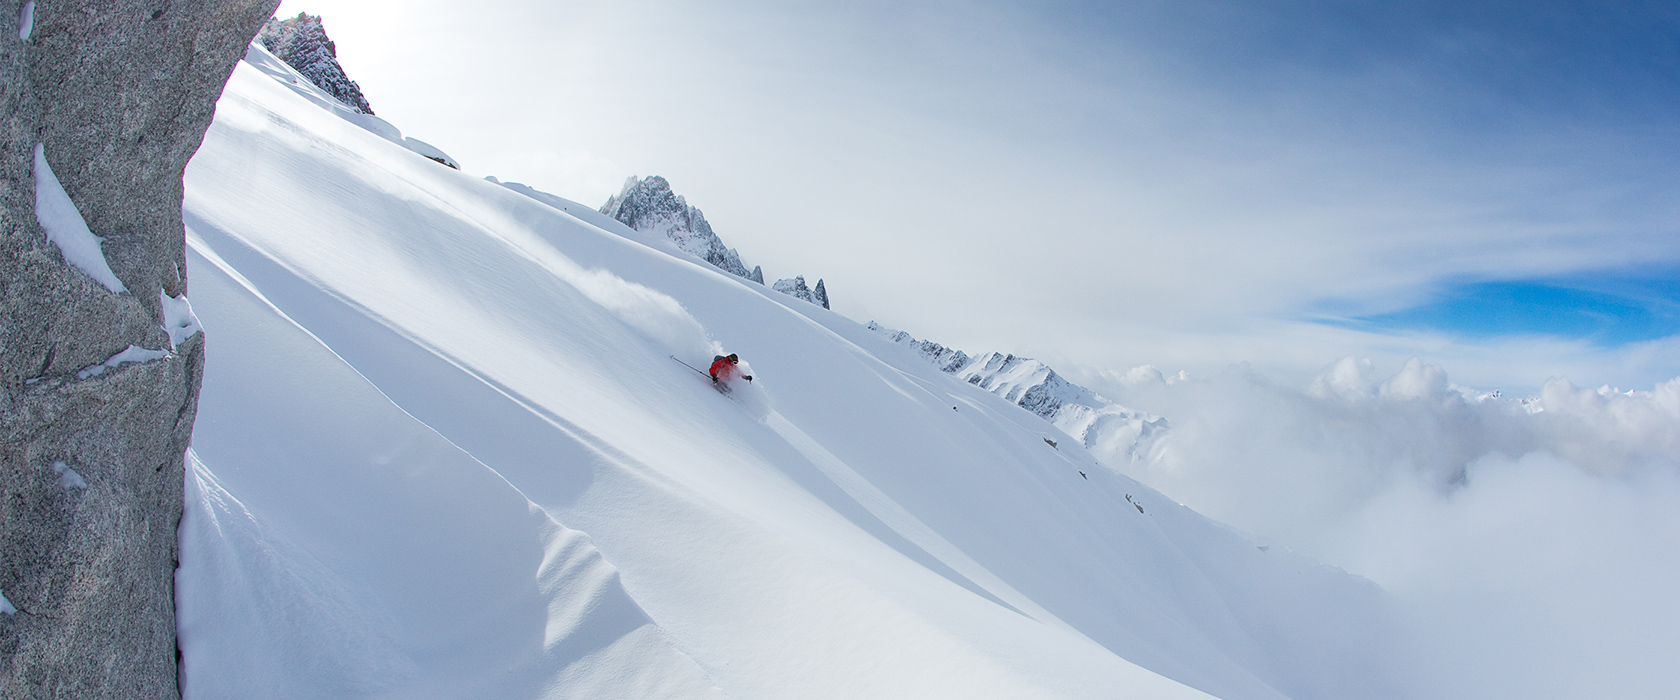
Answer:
(722, 368)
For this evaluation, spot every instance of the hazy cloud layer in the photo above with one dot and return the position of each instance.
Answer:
(1535, 539)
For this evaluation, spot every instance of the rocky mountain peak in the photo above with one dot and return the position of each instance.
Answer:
(302, 43)
(796, 288)
(648, 205)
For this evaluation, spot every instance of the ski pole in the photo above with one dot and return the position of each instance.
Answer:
(685, 364)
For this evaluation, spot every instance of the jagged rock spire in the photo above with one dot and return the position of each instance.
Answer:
(303, 44)
(649, 205)
(796, 288)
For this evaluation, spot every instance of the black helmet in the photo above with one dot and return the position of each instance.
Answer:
(733, 358)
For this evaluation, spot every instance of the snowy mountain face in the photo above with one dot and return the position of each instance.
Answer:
(1025, 382)
(303, 44)
(796, 288)
(1114, 433)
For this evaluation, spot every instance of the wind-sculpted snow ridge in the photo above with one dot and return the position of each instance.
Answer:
(260, 58)
(302, 43)
(1110, 431)
(446, 453)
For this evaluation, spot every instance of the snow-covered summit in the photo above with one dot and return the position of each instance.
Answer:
(302, 43)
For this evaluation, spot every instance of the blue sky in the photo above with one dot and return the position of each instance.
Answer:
(1605, 312)
(1594, 84)
(1185, 184)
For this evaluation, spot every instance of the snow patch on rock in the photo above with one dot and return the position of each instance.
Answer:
(6, 605)
(26, 21)
(67, 477)
(133, 353)
(66, 228)
(179, 321)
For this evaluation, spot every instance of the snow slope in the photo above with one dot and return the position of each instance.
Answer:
(423, 389)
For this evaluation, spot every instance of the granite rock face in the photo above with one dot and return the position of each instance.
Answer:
(116, 95)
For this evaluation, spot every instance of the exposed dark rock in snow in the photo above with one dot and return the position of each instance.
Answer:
(1025, 382)
(115, 97)
(796, 288)
(649, 205)
(303, 44)
(946, 359)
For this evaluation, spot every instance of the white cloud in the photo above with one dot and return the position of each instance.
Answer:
(1532, 541)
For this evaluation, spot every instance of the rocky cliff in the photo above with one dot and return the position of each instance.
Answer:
(102, 103)
(303, 44)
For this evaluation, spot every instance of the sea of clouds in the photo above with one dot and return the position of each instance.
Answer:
(1535, 540)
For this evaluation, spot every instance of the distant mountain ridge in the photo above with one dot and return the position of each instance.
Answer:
(1107, 429)
(649, 205)
(303, 44)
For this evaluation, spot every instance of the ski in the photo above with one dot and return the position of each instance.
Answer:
(720, 386)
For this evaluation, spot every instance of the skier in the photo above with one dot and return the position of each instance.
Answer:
(726, 366)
